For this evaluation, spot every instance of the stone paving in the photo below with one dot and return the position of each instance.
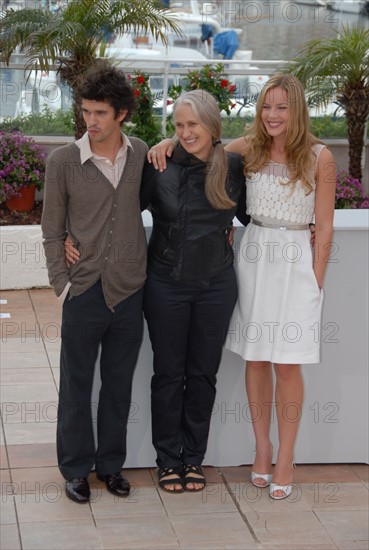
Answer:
(328, 508)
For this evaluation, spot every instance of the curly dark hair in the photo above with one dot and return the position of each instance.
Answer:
(103, 82)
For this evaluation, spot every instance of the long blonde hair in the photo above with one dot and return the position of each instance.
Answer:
(299, 140)
(206, 110)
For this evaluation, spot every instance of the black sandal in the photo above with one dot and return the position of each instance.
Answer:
(164, 479)
(187, 472)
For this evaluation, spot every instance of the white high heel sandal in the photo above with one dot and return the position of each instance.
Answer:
(266, 477)
(286, 489)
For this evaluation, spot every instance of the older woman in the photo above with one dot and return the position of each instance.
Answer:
(191, 286)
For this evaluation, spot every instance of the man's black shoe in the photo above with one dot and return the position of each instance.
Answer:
(77, 489)
(116, 484)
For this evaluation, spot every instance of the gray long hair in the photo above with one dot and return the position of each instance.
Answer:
(206, 110)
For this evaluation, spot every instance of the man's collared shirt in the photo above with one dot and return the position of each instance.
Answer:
(111, 170)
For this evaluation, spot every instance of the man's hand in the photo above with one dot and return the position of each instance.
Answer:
(72, 255)
(231, 235)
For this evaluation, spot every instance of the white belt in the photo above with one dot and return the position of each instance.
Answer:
(296, 227)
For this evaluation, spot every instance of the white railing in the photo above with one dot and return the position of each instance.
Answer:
(231, 68)
(164, 67)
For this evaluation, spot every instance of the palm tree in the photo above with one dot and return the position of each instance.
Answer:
(74, 37)
(338, 69)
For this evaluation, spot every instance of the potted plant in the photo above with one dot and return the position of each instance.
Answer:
(22, 170)
(213, 80)
(350, 192)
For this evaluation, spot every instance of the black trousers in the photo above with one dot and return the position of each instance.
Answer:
(86, 323)
(187, 327)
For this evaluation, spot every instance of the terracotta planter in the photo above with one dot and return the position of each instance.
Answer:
(25, 202)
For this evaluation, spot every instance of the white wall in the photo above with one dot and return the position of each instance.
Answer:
(334, 425)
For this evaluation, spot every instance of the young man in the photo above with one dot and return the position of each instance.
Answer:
(92, 193)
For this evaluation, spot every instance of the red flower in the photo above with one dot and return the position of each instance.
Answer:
(136, 93)
(224, 83)
(140, 80)
(232, 88)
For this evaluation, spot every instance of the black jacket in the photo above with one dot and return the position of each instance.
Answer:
(189, 238)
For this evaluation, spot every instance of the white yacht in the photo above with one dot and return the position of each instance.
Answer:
(348, 6)
(202, 38)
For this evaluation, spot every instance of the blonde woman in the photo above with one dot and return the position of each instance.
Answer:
(290, 181)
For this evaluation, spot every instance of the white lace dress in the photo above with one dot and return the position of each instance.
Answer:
(278, 312)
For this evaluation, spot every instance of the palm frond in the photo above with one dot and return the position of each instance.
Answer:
(343, 60)
(18, 27)
(143, 16)
(338, 70)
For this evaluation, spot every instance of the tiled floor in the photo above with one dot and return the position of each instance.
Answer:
(328, 508)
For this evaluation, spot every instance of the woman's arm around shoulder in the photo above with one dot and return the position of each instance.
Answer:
(236, 146)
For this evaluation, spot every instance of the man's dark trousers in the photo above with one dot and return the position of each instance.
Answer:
(87, 322)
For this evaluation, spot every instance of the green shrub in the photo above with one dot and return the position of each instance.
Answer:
(46, 123)
(323, 127)
(233, 127)
(329, 127)
(61, 124)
